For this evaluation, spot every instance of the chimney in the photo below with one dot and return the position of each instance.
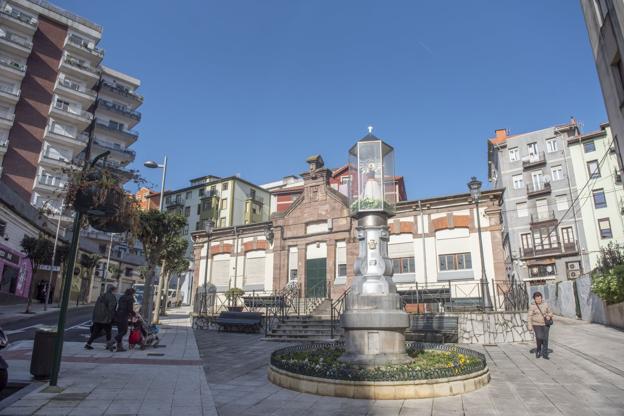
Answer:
(501, 134)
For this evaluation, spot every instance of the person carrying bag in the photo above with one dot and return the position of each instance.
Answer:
(540, 319)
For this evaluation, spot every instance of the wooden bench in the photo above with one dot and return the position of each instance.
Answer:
(433, 328)
(239, 321)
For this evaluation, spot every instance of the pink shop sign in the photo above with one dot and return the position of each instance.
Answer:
(24, 277)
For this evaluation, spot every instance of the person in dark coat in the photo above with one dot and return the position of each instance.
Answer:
(125, 309)
(103, 313)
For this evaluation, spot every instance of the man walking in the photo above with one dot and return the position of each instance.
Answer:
(125, 309)
(103, 313)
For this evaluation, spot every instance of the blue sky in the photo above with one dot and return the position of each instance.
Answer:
(254, 87)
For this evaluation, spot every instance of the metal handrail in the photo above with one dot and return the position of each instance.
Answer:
(337, 308)
(126, 111)
(121, 90)
(11, 37)
(8, 62)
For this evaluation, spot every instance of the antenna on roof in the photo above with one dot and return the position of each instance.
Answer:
(370, 129)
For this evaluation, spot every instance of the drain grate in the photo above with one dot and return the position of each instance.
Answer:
(155, 354)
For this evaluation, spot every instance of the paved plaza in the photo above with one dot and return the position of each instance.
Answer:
(205, 372)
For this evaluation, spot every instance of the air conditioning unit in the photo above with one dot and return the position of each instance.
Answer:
(574, 274)
(574, 266)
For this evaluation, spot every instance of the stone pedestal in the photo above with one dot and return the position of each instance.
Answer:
(373, 321)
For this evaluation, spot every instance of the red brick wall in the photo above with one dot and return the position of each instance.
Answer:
(31, 111)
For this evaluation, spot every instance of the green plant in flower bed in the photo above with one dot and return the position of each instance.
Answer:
(429, 361)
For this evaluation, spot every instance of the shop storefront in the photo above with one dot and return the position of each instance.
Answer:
(15, 272)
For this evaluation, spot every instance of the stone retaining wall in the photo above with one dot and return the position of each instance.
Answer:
(492, 327)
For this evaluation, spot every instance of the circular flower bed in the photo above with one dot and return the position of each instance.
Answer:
(430, 361)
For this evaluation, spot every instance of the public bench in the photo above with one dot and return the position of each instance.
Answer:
(239, 321)
(433, 328)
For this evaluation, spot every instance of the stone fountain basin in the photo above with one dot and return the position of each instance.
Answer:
(416, 388)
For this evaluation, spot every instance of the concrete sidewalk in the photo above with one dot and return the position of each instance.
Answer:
(157, 381)
(15, 312)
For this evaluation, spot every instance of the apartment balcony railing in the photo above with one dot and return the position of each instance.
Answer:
(7, 116)
(49, 181)
(533, 161)
(81, 113)
(72, 86)
(120, 109)
(13, 38)
(535, 189)
(77, 64)
(11, 91)
(87, 46)
(10, 63)
(129, 133)
(560, 249)
(122, 91)
(126, 152)
(17, 15)
(543, 217)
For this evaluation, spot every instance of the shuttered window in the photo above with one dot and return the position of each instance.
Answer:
(221, 270)
(400, 250)
(293, 255)
(341, 259)
(254, 268)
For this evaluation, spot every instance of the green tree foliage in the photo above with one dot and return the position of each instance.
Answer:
(608, 276)
(39, 251)
(156, 231)
(174, 262)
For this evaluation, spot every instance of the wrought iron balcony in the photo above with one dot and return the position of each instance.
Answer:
(75, 87)
(125, 152)
(116, 88)
(87, 46)
(540, 217)
(82, 114)
(10, 63)
(569, 248)
(536, 189)
(534, 161)
(131, 133)
(77, 64)
(120, 109)
(13, 38)
(17, 15)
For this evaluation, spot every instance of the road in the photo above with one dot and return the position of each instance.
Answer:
(77, 325)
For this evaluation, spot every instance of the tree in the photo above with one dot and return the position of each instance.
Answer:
(88, 262)
(173, 262)
(39, 251)
(156, 231)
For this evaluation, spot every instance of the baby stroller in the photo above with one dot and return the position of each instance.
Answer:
(142, 334)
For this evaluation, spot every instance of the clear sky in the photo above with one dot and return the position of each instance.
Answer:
(254, 87)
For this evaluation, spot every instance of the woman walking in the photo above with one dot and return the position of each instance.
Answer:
(540, 318)
(125, 309)
(102, 317)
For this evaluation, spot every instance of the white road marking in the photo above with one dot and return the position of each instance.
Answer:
(17, 331)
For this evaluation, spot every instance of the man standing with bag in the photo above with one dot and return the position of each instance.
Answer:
(540, 318)
(125, 310)
(103, 312)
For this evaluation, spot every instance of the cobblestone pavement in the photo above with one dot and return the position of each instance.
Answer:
(585, 376)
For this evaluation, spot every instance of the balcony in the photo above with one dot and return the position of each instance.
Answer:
(122, 91)
(126, 155)
(4, 143)
(6, 120)
(10, 95)
(129, 136)
(12, 68)
(50, 184)
(74, 91)
(537, 189)
(76, 117)
(565, 249)
(79, 142)
(76, 68)
(54, 162)
(540, 218)
(17, 19)
(617, 176)
(77, 45)
(16, 43)
(534, 161)
(132, 115)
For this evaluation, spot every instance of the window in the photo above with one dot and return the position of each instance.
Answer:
(198, 209)
(115, 125)
(2, 227)
(403, 265)
(593, 169)
(551, 145)
(341, 259)
(187, 211)
(185, 230)
(589, 146)
(518, 181)
(224, 203)
(252, 193)
(222, 222)
(459, 261)
(521, 209)
(532, 148)
(224, 187)
(527, 242)
(541, 270)
(567, 236)
(189, 194)
(545, 238)
(562, 202)
(514, 154)
(292, 263)
(600, 201)
(62, 104)
(129, 271)
(201, 192)
(604, 225)
(345, 180)
(168, 199)
(556, 173)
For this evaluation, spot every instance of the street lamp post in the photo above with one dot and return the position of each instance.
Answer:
(475, 192)
(208, 228)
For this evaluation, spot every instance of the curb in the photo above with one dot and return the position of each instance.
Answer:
(22, 317)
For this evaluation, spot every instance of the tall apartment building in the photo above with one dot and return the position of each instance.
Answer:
(227, 202)
(605, 24)
(56, 97)
(602, 200)
(543, 230)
